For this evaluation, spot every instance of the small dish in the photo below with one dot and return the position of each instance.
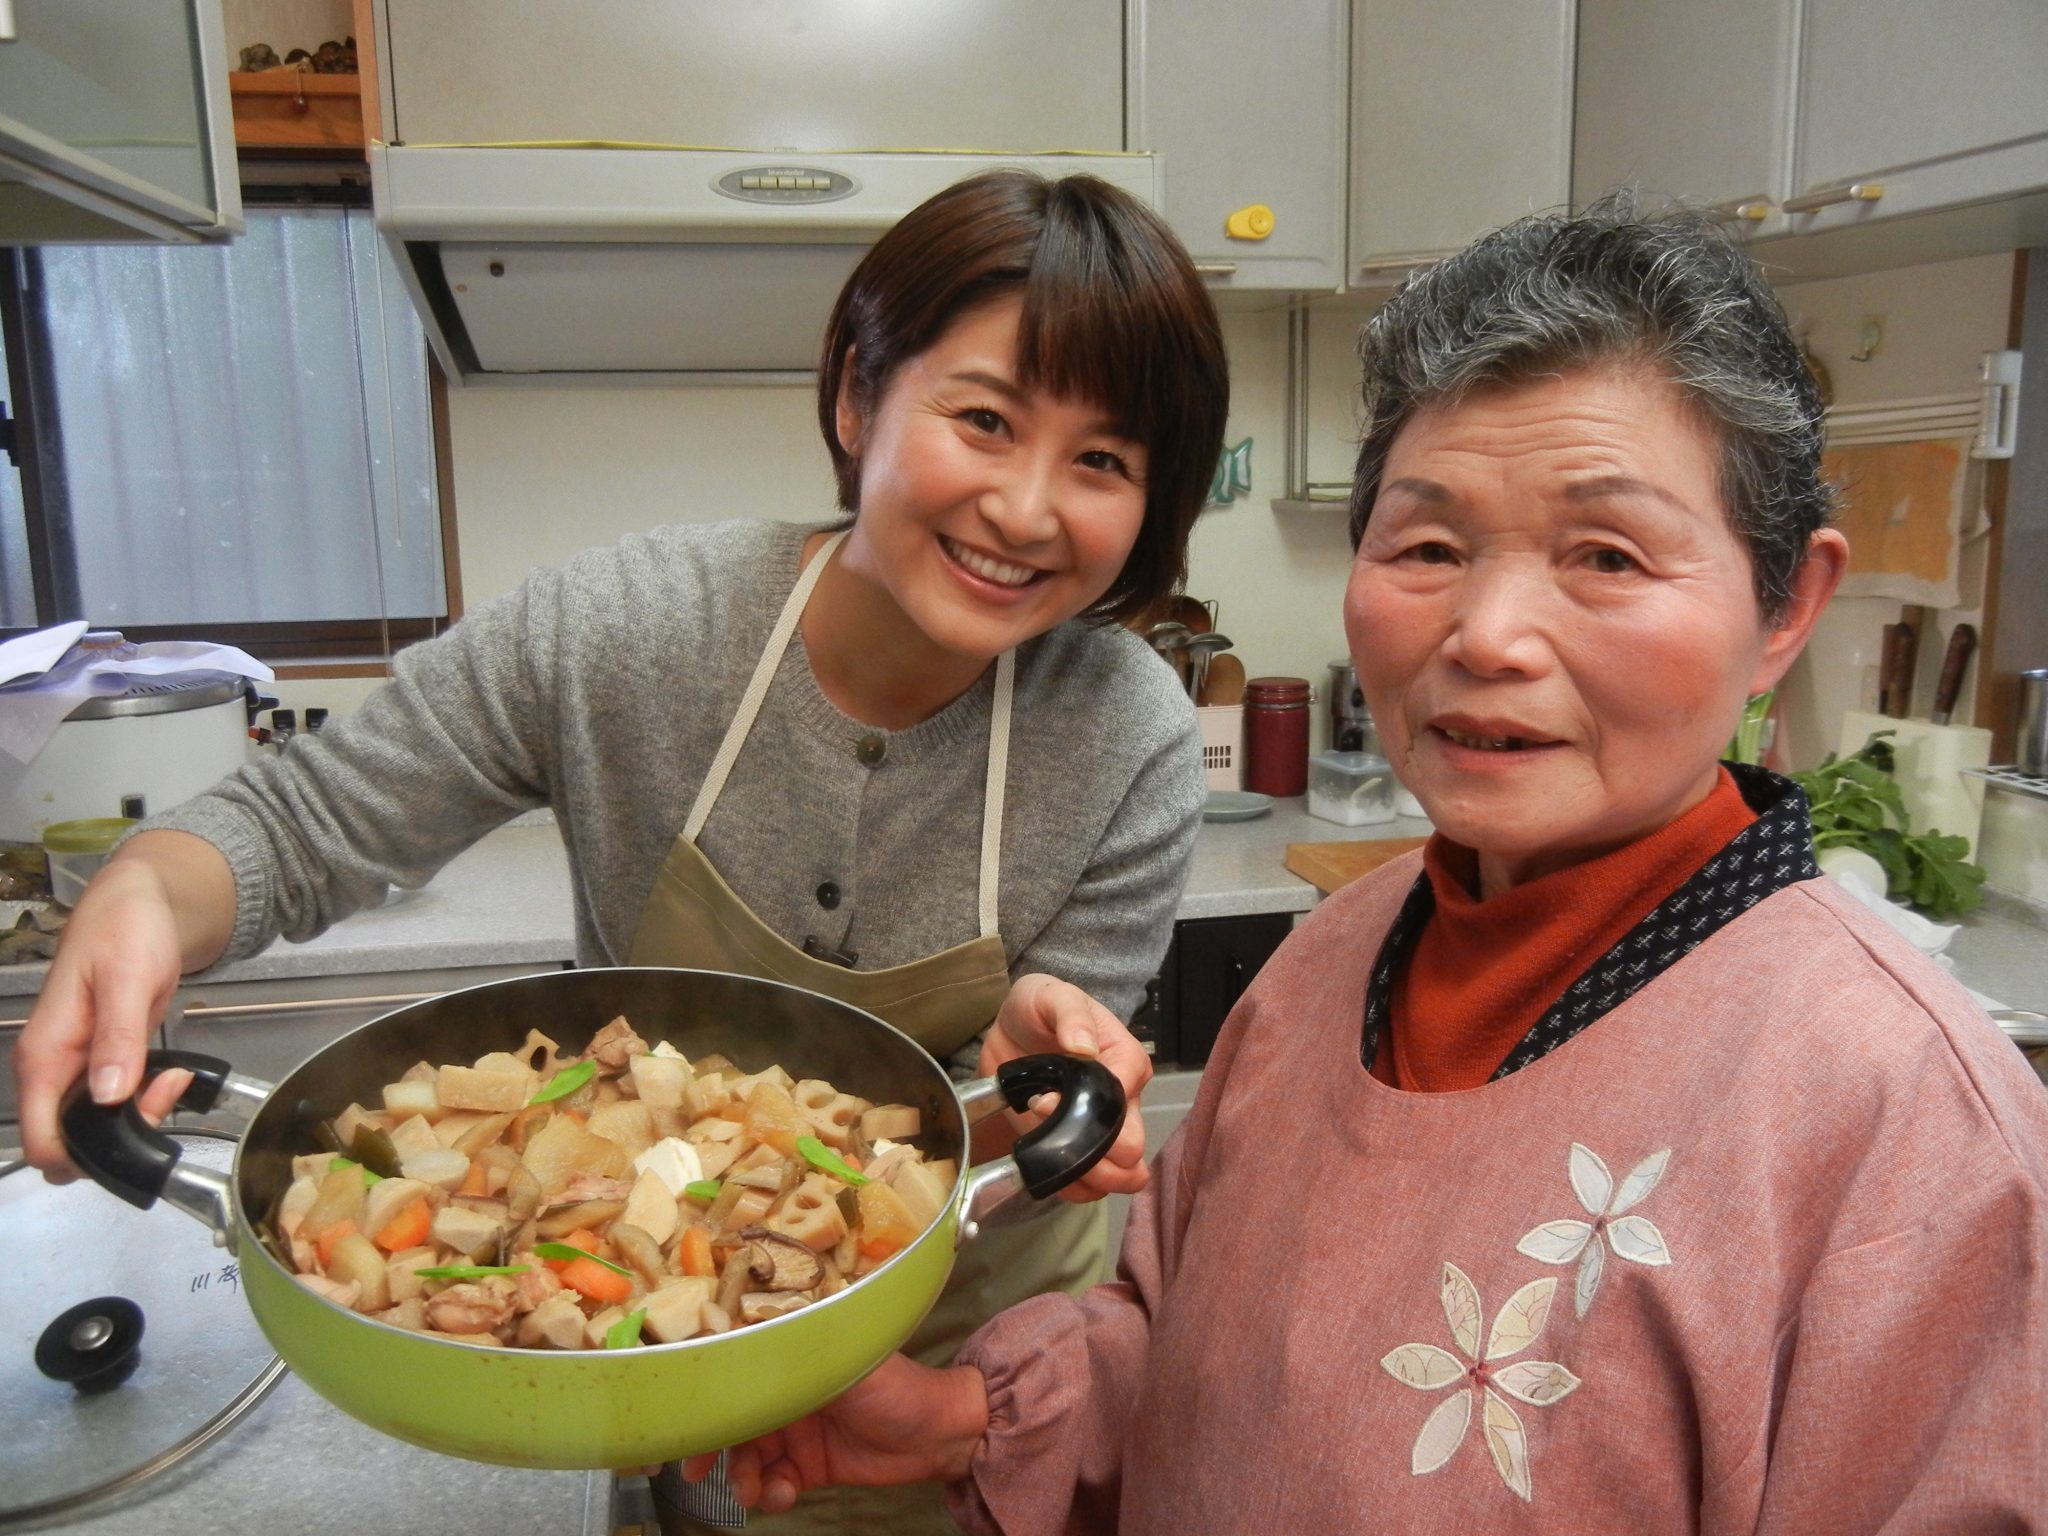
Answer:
(1235, 805)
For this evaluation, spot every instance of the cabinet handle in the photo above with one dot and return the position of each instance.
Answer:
(297, 1005)
(1395, 265)
(1215, 269)
(1854, 192)
(1751, 210)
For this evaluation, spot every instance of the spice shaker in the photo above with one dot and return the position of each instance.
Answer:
(2033, 734)
(1276, 735)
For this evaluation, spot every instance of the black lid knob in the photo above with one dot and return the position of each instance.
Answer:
(93, 1345)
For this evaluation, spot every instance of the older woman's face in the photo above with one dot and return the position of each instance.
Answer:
(1552, 619)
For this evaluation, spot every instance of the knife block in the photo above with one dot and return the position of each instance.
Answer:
(1931, 758)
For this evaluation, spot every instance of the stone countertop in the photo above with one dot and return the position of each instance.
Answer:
(506, 902)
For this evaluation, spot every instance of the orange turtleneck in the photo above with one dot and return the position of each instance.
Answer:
(1483, 972)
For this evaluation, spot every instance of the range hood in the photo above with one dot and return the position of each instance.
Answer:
(592, 263)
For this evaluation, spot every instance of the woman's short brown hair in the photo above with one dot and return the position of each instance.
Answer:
(1114, 315)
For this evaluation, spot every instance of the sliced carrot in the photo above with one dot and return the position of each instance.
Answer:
(408, 1229)
(477, 1181)
(589, 1278)
(323, 1245)
(694, 1253)
(582, 1238)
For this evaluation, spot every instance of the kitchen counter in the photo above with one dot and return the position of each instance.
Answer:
(506, 902)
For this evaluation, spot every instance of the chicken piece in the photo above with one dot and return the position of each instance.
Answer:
(583, 1188)
(614, 1046)
(474, 1306)
(410, 1314)
(538, 1286)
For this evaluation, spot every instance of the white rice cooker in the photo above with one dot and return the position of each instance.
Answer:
(134, 753)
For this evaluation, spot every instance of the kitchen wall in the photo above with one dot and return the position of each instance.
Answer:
(541, 473)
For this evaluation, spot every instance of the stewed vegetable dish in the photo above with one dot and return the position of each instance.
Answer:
(624, 1196)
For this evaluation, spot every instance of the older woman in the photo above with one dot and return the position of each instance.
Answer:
(1601, 1167)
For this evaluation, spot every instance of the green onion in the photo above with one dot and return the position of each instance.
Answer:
(468, 1271)
(369, 1178)
(625, 1333)
(818, 1155)
(565, 1082)
(571, 1251)
(703, 1189)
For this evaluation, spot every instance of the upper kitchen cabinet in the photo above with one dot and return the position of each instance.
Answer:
(1245, 105)
(1691, 100)
(1843, 135)
(1461, 119)
(1908, 109)
(115, 123)
(998, 76)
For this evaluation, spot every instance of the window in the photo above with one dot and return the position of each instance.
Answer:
(231, 442)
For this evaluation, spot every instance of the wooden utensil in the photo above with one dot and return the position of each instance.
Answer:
(1224, 683)
(1962, 641)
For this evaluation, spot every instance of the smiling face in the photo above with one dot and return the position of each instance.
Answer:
(988, 512)
(1553, 619)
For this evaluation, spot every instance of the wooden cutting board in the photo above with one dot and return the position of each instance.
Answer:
(1332, 866)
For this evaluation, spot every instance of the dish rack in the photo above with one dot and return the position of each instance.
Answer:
(2007, 776)
(1222, 727)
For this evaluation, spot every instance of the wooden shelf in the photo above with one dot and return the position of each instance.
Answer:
(292, 109)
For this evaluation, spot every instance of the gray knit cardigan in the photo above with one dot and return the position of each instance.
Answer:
(601, 689)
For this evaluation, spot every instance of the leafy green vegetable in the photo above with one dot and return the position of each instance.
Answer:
(818, 1155)
(625, 1333)
(1856, 803)
(469, 1271)
(571, 1251)
(565, 1082)
(703, 1189)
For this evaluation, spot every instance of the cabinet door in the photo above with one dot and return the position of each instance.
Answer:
(997, 76)
(1213, 960)
(1246, 105)
(1460, 121)
(1686, 101)
(115, 122)
(1889, 84)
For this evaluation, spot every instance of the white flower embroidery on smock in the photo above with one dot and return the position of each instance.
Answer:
(1634, 1238)
(1537, 1382)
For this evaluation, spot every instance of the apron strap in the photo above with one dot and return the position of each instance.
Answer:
(757, 688)
(992, 792)
(757, 691)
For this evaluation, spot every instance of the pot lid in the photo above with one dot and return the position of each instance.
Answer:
(88, 1273)
(164, 694)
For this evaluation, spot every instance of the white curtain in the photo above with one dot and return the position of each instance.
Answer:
(245, 428)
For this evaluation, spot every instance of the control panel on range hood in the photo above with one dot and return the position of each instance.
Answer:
(554, 264)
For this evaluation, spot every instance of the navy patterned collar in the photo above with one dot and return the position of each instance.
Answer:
(1772, 852)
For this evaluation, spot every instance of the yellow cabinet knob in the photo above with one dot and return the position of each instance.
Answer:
(1254, 222)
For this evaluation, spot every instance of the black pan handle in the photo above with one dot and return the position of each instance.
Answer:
(1077, 1134)
(122, 1152)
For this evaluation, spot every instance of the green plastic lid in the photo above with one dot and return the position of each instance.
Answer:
(95, 834)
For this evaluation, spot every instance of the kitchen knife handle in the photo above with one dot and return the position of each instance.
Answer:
(1962, 641)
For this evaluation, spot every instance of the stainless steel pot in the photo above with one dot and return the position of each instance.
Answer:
(599, 1408)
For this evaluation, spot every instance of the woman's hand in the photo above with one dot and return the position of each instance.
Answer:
(163, 905)
(1044, 1014)
(903, 1423)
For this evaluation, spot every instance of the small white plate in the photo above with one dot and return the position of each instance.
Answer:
(1235, 805)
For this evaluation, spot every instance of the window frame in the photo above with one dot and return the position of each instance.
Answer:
(349, 647)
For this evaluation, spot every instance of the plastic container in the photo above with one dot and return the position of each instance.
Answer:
(1352, 789)
(1222, 727)
(1276, 735)
(75, 850)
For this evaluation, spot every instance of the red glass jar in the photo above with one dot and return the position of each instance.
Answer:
(1276, 735)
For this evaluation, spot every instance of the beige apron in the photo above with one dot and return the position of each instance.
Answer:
(693, 918)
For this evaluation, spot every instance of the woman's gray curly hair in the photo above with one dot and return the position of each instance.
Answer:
(1554, 293)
